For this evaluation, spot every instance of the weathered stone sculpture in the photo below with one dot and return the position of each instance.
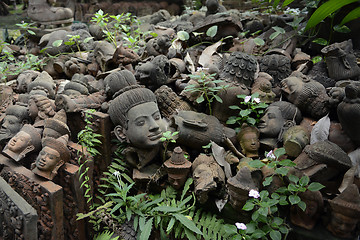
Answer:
(294, 140)
(345, 212)
(341, 61)
(40, 108)
(278, 66)
(24, 79)
(15, 118)
(278, 117)
(44, 83)
(209, 178)
(52, 156)
(92, 101)
(40, 11)
(197, 129)
(239, 187)
(56, 127)
(314, 206)
(159, 45)
(24, 142)
(248, 138)
(240, 67)
(348, 112)
(213, 7)
(118, 80)
(263, 86)
(178, 168)
(308, 95)
(137, 120)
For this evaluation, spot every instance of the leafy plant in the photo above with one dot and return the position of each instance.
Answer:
(88, 140)
(105, 235)
(207, 88)
(278, 31)
(73, 40)
(266, 220)
(168, 137)
(250, 112)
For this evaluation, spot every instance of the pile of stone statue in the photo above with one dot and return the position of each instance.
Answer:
(313, 112)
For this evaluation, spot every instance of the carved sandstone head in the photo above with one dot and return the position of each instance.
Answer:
(137, 118)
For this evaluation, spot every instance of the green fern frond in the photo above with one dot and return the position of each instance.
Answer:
(106, 235)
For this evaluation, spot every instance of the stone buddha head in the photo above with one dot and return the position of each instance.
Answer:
(25, 141)
(137, 118)
(40, 107)
(52, 156)
(276, 117)
(345, 212)
(248, 138)
(16, 116)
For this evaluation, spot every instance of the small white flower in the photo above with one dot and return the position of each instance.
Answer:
(257, 100)
(247, 99)
(253, 193)
(201, 69)
(116, 174)
(271, 155)
(241, 226)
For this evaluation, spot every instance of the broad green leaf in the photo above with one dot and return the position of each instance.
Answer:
(325, 10)
(251, 121)
(293, 178)
(275, 196)
(259, 41)
(274, 35)
(354, 14)
(287, 163)
(245, 112)
(153, 34)
(231, 121)
(341, 29)
(279, 29)
(258, 234)
(57, 43)
(187, 223)
(283, 229)
(211, 32)
(234, 107)
(256, 164)
(263, 211)
(283, 201)
(248, 206)
(268, 181)
(294, 199)
(292, 187)
(287, 2)
(275, 235)
(279, 152)
(230, 229)
(275, 3)
(315, 186)
(86, 40)
(188, 182)
(200, 99)
(255, 216)
(250, 228)
(278, 221)
(146, 231)
(183, 36)
(189, 234)
(218, 99)
(302, 205)
(304, 181)
(282, 171)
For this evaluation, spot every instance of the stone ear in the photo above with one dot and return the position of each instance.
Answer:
(27, 150)
(120, 133)
(58, 165)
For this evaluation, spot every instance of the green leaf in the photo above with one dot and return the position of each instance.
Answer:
(57, 43)
(188, 182)
(279, 29)
(187, 223)
(294, 179)
(166, 209)
(304, 181)
(278, 221)
(287, 163)
(258, 234)
(321, 41)
(200, 99)
(231, 121)
(170, 225)
(31, 32)
(275, 235)
(341, 29)
(292, 187)
(256, 164)
(234, 107)
(86, 40)
(282, 171)
(287, 2)
(259, 41)
(274, 35)
(211, 32)
(145, 233)
(244, 113)
(315, 186)
(279, 152)
(189, 234)
(325, 10)
(251, 121)
(316, 59)
(263, 211)
(294, 199)
(248, 206)
(302, 205)
(354, 14)
(275, 196)
(268, 181)
(282, 201)
(183, 36)
(218, 98)
(283, 229)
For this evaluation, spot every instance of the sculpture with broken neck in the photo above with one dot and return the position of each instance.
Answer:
(138, 122)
